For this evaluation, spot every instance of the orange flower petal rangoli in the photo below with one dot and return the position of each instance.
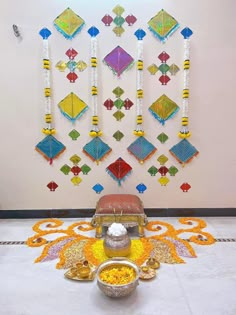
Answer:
(166, 243)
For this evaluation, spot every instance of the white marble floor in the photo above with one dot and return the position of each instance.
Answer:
(202, 286)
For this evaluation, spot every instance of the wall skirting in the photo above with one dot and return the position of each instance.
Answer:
(86, 213)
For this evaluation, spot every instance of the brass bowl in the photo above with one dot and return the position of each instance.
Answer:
(115, 290)
(84, 271)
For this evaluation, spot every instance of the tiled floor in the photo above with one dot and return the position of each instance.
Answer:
(203, 286)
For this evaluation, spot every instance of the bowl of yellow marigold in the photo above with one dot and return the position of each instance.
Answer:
(117, 277)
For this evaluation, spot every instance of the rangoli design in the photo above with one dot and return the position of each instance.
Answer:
(165, 243)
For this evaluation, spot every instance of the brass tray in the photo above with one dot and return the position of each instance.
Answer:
(147, 275)
(70, 276)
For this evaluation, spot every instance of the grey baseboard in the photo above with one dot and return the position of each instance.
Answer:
(87, 213)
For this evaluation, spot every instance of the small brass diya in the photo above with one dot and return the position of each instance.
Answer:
(153, 263)
(147, 273)
(84, 271)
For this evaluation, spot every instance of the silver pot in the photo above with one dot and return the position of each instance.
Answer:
(117, 246)
(117, 290)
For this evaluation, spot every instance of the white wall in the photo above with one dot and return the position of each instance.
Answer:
(25, 174)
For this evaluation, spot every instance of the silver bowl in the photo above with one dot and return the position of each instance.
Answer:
(122, 290)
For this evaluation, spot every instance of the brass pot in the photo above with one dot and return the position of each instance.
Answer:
(117, 246)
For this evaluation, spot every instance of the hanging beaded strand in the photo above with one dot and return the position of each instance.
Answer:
(184, 132)
(139, 83)
(50, 148)
(95, 131)
(48, 130)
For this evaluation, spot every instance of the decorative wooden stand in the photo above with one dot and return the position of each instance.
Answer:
(121, 208)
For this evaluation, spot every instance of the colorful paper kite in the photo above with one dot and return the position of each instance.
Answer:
(75, 170)
(183, 151)
(162, 159)
(163, 25)
(185, 187)
(118, 115)
(119, 20)
(50, 148)
(85, 169)
(118, 60)
(163, 180)
(141, 188)
(173, 69)
(76, 180)
(163, 170)
(128, 104)
(118, 135)
(152, 170)
(72, 65)
(108, 104)
(75, 159)
(162, 137)
(142, 149)
(98, 188)
(119, 170)
(65, 169)
(72, 107)
(52, 186)
(130, 19)
(96, 149)
(118, 91)
(74, 134)
(68, 23)
(173, 170)
(107, 19)
(163, 109)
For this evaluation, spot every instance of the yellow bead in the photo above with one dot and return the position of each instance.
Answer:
(93, 133)
(46, 64)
